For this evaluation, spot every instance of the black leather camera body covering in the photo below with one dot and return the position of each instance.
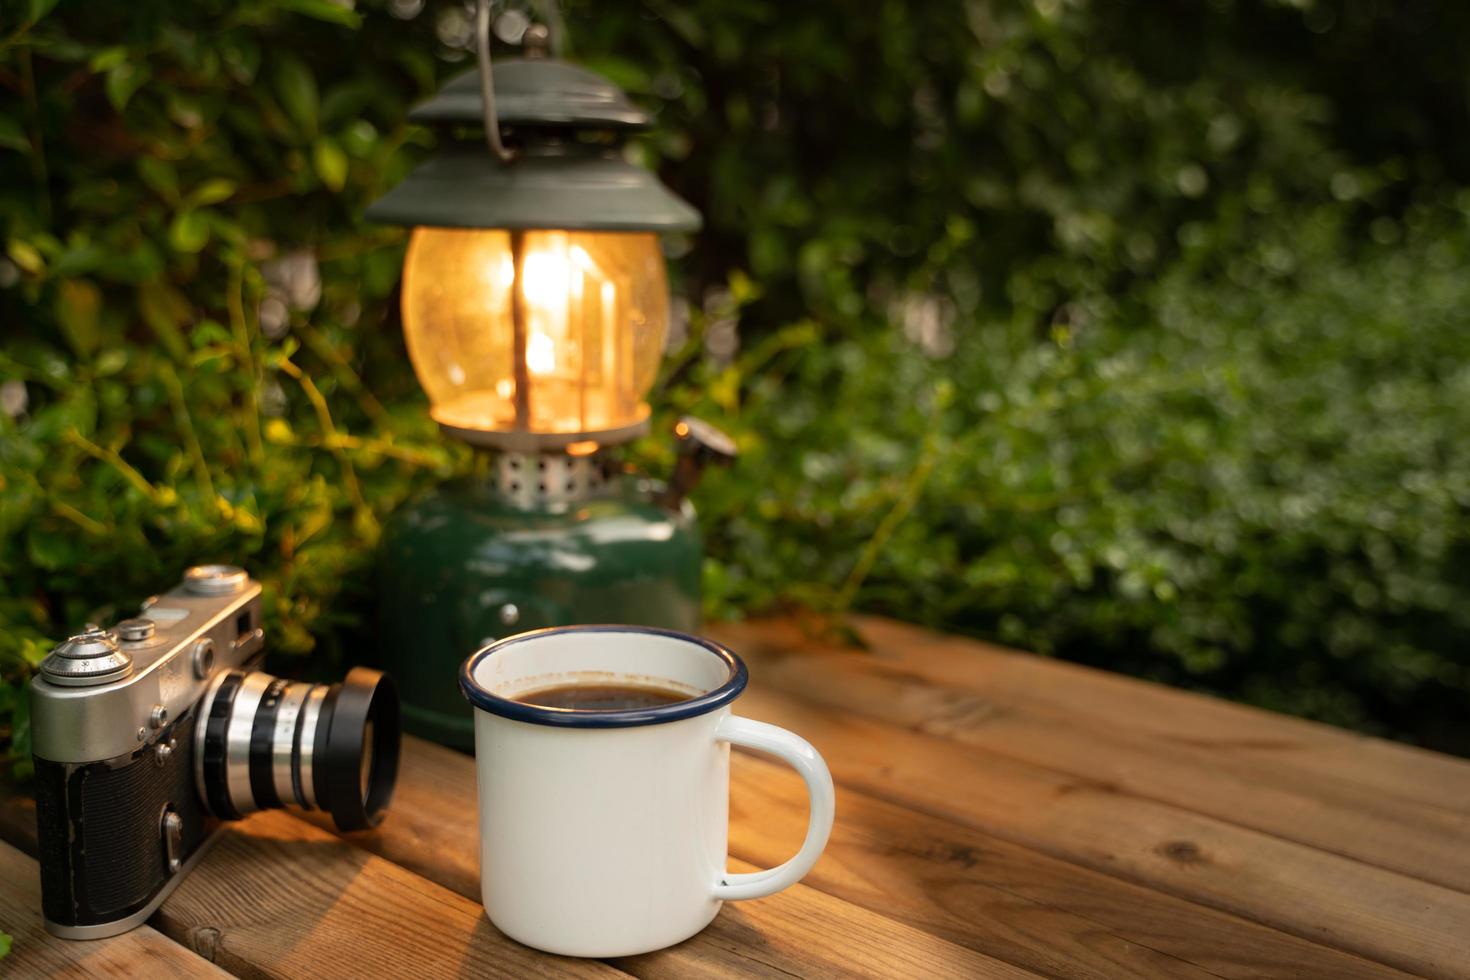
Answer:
(104, 847)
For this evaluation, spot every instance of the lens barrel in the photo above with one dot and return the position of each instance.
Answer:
(262, 742)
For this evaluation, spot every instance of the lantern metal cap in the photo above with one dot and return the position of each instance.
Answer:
(540, 92)
(569, 186)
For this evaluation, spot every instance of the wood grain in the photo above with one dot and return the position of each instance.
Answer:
(998, 815)
(903, 685)
(277, 897)
(973, 890)
(1311, 752)
(1047, 915)
(803, 932)
(432, 829)
(1328, 899)
(36, 953)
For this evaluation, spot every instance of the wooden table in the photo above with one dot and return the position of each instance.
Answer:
(997, 815)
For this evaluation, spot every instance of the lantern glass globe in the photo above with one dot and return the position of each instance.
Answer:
(593, 317)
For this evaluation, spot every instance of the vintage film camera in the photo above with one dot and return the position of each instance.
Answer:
(147, 734)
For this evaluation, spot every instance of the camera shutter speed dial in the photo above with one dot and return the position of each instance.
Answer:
(91, 657)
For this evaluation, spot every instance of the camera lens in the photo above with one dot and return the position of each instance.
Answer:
(263, 742)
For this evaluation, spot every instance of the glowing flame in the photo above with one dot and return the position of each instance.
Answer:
(552, 281)
(540, 353)
(545, 275)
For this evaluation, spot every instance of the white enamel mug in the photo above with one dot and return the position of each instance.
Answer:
(603, 833)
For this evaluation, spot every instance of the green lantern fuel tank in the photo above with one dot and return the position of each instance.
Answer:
(480, 559)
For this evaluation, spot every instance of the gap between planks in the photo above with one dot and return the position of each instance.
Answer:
(1306, 749)
(437, 796)
(1040, 912)
(1377, 914)
(961, 694)
(278, 896)
(35, 953)
(434, 815)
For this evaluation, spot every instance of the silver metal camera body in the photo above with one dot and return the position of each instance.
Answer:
(83, 714)
(118, 812)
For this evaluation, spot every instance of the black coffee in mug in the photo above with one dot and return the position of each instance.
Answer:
(602, 696)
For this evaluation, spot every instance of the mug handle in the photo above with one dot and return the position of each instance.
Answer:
(799, 754)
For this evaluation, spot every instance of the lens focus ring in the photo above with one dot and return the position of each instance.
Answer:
(267, 743)
(283, 743)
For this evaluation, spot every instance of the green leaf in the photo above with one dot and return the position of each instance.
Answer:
(12, 136)
(159, 175)
(78, 312)
(52, 549)
(78, 259)
(344, 102)
(296, 88)
(133, 262)
(25, 255)
(5, 943)
(333, 13)
(123, 80)
(165, 310)
(185, 110)
(212, 191)
(241, 56)
(111, 361)
(189, 231)
(39, 9)
(108, 58)
(209, 332)
(331, 164)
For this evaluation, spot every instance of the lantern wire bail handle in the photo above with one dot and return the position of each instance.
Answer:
(487, 85)
(553, 32)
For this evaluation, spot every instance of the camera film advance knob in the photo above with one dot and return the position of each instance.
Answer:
(92, 657)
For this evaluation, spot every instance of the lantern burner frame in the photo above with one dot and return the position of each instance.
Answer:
(548, 480)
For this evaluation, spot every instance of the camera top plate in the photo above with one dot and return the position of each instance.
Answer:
(83, 713)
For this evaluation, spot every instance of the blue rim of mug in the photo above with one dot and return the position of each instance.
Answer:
(536, 714)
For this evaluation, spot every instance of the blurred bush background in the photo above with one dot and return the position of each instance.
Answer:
(1133, 333)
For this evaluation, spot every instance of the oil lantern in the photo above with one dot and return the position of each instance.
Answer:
(535, 309)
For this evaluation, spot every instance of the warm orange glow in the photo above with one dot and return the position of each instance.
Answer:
(596, 311)
(584, 448)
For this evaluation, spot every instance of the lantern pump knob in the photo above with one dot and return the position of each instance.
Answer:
(699, 444)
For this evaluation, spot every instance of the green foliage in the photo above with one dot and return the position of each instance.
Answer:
(1119, 331)
(1258, 490)
(196, 314)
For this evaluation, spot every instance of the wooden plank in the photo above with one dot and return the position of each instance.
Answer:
(432, 830)
(1308, 750)
(276, 894)
(803, 932)
(37, 953)
(1378, 914)
(907, 687)
(1044, 914)
(277, 897)
(1115, 929)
